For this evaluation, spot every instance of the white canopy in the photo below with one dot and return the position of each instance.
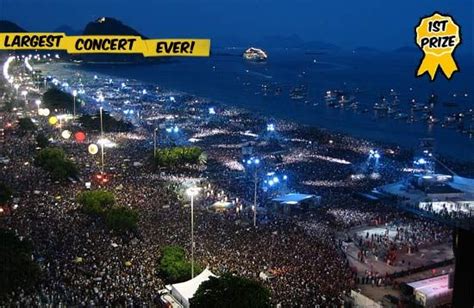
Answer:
(292, 198)
(184, 291)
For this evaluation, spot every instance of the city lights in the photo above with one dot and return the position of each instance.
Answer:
(66, 134)
(106, 143)
(93, 149)
(291, 170)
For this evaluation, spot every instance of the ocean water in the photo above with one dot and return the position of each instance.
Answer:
(227, 78)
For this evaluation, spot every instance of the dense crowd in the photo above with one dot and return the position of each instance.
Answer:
(401, 236)
(83, 263)
(450, 210)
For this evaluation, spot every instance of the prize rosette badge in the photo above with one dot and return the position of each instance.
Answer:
(438, 36)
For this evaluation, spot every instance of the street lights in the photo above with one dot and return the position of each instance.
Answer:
(173, 134)
(192, 192)
(255, 162)
(101, 122)
(270, 127)
(102, 137)
(154, 141)
(275, 183)
(24, 93)
(101, 142)
(38, 103)
(74, 94)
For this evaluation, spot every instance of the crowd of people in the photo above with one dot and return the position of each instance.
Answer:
(404, 235)
(83, 263)
(462, 210)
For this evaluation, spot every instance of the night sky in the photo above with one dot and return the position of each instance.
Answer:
(374, 23)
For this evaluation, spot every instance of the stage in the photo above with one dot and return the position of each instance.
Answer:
(423, 257)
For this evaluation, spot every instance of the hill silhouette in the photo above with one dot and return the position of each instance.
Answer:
(109, 26)
(8, 26)
(68, 30)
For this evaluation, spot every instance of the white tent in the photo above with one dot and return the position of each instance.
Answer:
(184, 291)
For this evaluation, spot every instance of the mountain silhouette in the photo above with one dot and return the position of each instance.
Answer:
(109, 26)
(8, 26)
(68, 30)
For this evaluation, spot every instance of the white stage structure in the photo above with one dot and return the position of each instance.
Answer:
(184, 291)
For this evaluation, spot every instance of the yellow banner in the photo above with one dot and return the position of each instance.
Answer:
(438, 36)
(113, 44)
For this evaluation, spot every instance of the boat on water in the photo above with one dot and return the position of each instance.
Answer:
(330, 96)
(353, 106)
(411, 119)
(298, 93)
(391, 110)
(381, 106)
(333, 104)
(393, 92)
(345, 99)
(255, 54)
(401, 116)
(417, 107)
(265, 89)
(431, 120)
(427, 109)
(297, 96)
(450, 104)
(468, 113)
(451, 121)
(395, 101)
(338, 98)
(469, 131)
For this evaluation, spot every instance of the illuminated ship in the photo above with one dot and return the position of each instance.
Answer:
(255, 54)
(381, 106)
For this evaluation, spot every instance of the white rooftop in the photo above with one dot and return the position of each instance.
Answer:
(431, 287)
(184, 291)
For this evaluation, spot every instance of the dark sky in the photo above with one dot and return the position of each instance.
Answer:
(375, 23)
